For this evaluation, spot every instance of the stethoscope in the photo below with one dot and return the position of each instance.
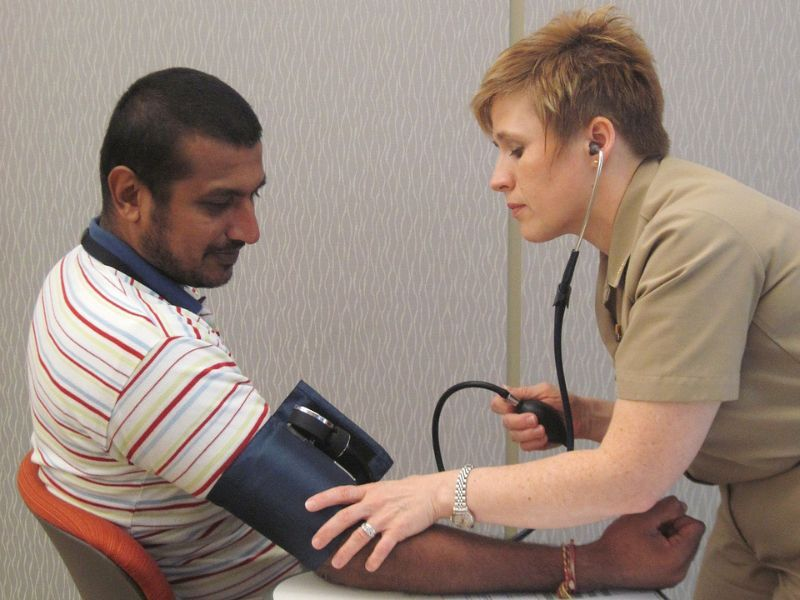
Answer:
(558, 431)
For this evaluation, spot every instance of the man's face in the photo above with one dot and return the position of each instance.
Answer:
(195, 237)
(545, 192)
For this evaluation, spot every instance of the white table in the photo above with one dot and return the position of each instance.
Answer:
(308, 586)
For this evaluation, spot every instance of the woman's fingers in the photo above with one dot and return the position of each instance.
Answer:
(520, 422)
(344, 519)
(336, 496)
(360, 537)
(500, 406)
(535, 440)
(338, 523)
(382, 550)
(525, 430)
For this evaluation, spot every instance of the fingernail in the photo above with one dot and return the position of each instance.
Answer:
(309, 505)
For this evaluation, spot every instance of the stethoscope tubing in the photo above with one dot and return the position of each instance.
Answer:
(560, 303)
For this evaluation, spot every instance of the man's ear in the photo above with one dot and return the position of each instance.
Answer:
(129, 195)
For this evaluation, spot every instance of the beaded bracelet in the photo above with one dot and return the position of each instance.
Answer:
(567, 587)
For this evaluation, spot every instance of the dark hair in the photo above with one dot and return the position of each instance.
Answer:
(151, 118)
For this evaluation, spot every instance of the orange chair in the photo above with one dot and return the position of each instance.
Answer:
(105, 561)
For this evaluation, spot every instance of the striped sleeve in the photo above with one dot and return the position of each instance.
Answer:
(185, 414)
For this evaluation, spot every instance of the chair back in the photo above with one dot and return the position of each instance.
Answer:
(104, 560)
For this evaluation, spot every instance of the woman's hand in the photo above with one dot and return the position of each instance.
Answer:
(524, 428)
(395, 509)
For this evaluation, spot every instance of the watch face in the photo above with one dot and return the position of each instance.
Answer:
(463, 519)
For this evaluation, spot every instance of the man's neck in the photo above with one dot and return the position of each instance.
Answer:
(109, 249)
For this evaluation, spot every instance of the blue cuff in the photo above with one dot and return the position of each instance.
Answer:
(269, 482)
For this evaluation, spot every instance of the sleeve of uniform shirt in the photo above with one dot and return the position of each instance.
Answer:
(695, 286)
(186, 413)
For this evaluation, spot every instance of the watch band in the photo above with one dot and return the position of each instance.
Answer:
(462, 517)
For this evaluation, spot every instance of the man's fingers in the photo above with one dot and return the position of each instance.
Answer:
(686, 538)
(688, 529)
(666, 509)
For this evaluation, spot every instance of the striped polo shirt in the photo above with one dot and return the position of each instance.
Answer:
(138, 407)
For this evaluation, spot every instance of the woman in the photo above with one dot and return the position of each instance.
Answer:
(707, 381)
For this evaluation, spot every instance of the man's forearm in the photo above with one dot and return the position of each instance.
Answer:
(649, 550)
(444, 560)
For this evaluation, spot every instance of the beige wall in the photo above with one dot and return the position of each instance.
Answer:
(381, 274)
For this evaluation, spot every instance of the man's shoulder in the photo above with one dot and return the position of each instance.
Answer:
(110, 302)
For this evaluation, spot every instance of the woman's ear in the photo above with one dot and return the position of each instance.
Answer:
(601, 134)
(128, 194)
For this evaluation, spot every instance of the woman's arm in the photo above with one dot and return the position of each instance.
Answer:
(647, 447)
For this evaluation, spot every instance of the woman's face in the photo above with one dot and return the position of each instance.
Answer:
(546, 192)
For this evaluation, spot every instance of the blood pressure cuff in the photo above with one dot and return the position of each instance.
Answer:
(284, 464)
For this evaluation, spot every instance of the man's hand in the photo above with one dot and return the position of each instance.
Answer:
(644, 551)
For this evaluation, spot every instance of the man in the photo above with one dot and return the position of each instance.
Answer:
(139, 409)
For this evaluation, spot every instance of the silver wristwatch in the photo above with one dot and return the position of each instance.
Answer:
(461, 516)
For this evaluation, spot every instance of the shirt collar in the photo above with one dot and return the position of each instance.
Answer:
(112, 251)
(627, 223)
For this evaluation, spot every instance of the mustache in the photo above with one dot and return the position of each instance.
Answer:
(238, 245)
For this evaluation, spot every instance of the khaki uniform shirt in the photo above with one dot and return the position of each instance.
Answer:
(699, 300)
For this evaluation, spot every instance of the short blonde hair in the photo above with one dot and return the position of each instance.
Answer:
(579, 66)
